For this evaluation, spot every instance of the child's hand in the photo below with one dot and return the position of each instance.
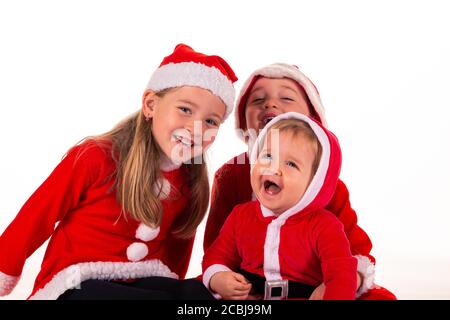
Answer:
(318, 293)
(320, 290)
(230, 285)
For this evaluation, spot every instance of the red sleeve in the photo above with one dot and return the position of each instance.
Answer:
(178, 254)
(223, 199)
(339, 205)
(57, 195)
(224, 249)
(338, 264)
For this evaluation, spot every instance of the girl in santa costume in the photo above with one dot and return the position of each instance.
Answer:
(285, 240)
(268, 92)
(122, 199)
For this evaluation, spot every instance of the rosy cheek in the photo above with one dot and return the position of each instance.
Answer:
(206, 145)
(209, 135)
(255, 179)
(252, 115)
(261, 169)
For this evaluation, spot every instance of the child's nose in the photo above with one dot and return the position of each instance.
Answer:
(195, 128)
(272, 170)
(270, 103)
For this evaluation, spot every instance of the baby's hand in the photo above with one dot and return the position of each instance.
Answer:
(230, 285)
(318, 293)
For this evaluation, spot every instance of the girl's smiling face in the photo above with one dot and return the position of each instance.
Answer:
(185, 120)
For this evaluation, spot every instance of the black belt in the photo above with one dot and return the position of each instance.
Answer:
(277, 289)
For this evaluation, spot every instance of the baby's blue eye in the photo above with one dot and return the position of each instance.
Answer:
(212, 122)
(267, 156)
(291, 164)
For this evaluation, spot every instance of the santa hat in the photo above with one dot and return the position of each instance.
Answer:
(279, 71)
(186, 67)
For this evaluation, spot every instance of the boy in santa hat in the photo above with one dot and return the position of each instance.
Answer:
(285, 240)
(268, 92)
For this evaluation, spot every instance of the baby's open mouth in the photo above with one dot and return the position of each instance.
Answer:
(271, 187)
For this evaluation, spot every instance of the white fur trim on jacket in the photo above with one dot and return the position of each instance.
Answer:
(174, 75)
(7, 283)
(207, 275)
(72, 276)
(367, 271)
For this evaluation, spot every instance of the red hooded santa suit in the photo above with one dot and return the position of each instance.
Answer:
(305, 244)
(232, 184)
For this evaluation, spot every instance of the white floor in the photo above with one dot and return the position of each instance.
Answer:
(408, 278)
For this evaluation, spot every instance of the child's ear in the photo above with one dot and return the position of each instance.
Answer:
(148, 103)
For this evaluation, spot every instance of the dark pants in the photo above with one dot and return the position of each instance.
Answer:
(151, 288)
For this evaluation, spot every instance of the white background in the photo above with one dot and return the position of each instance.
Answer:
(69, 69)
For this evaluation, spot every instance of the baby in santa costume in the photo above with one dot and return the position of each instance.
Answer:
(122, 199)
(286, 234)
(268, 92)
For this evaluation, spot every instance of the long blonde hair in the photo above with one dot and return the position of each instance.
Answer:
(137, 157)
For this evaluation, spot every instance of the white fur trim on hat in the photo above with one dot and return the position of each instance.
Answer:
(367, 271)
(284, 70)
(7, 283)
(146, 233)
(72, 276)
(174, 75)
(137, 251)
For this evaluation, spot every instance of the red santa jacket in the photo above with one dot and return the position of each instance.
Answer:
(231, 187)
(306, 243)
(93, 239)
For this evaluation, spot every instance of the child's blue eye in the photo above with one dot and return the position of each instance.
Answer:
(291, 164)
(212, 122)
(266, 156)
(185, 110)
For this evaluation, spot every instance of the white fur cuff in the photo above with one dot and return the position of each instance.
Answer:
(7, 283)
(367, 271)
(207, 275)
